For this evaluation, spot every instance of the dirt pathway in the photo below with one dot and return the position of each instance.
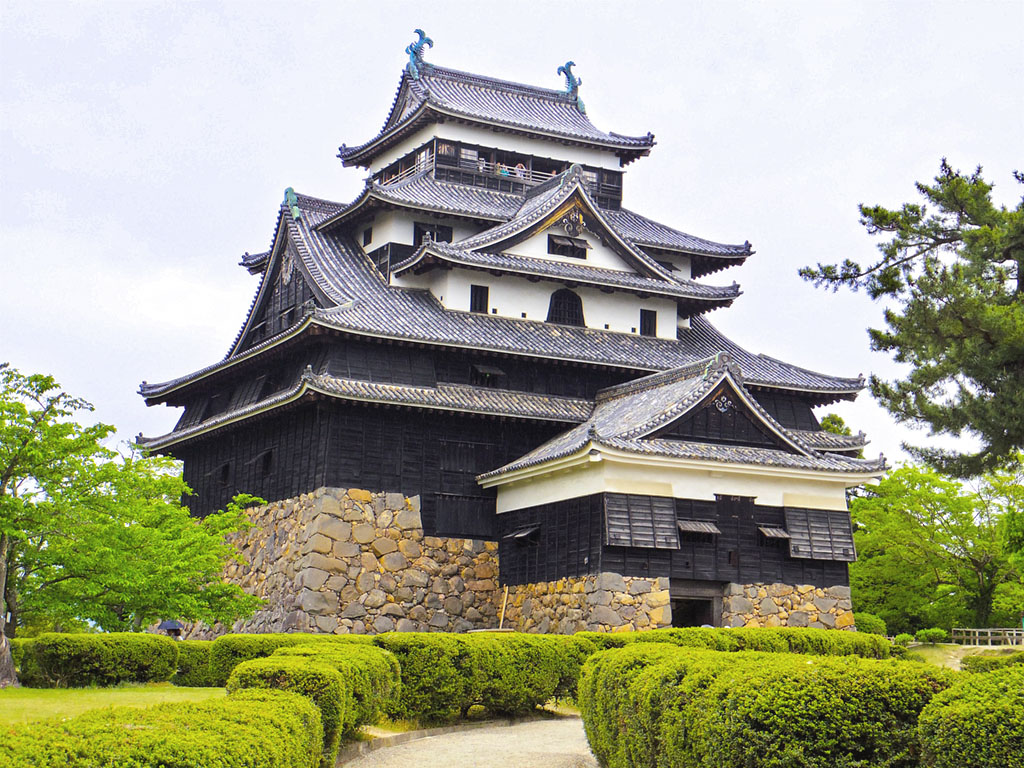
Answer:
(555, 743)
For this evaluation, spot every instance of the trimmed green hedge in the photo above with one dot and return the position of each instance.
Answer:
(248, 729)
(978, 722)
(654, 705)
(229, 651)
(373, 672)
(62, 660)
(194, 664)
(821, 642)
(989, 663)
(444, 675)
(321, 684)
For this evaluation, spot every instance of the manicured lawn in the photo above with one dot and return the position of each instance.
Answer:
(950, 654)
(20, 705)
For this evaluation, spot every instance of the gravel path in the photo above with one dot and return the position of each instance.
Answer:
(555, 743)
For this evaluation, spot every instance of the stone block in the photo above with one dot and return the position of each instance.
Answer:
(739, 604)
(767, 606)
(383, 546)
(639, 587)
(394, 501)
(363, 533)
(798, 619)
(336, 583)
(327, 505)
(318, 543)
(433, 601)
(612, 582)
(375, 598)
(384, 518)
(394, 610)
(311, 578)
(779, 590)
(481, 585)
(394, 561)
(844, 620)
(824, 604)
(346, 549)
(324, 563)
(838, 592)
(418, 613)
(410, 548)
(414, 578)
(387, 582)
(439, 619)
(365, 582)
(453, 606)
(827, 620)
(332, 528)
(658, 598)
(408, 519)
(353, 611)
(357, 494)
(733, 589)
(383, 624)
(403, 594)
(429, 566)
(326, 623)
(406, 625)
(599, 597)
(602, 614)
(317, 602)
(368, 561)
(773, 621)
(661, 616)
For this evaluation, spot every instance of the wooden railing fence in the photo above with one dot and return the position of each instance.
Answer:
(988, 636)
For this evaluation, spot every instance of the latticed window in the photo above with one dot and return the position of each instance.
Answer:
(565, 308)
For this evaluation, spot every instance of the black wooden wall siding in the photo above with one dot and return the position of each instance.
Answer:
(282, 307)
(434, 454)
(740, 553)
(787, 409)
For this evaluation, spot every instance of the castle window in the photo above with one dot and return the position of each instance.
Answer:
(225, 474)
(367, 236)
(573, 247)
(438, 233)
(478, 298)
(565, 308)
(487, 376)
(267, 464)
(648, 322)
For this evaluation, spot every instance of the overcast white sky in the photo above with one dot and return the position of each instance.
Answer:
(145, 146)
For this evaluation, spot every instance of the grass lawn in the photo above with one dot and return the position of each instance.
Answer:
(950, 654)
(21, 705)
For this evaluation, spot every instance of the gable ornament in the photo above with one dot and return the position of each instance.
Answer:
(572, 85)
(415, 51)
(573, 222)
(723, 404)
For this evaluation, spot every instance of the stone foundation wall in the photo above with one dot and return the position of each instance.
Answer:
(351, 561)
(604, 602)
(784, 605)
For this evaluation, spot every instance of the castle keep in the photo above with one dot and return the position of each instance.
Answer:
(486, 372)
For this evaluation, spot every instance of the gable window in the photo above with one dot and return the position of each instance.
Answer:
(438, 233)
(367, 236)
(565, 308)
(478, 298)
(573, 247)
(487, 376)
(648, 322)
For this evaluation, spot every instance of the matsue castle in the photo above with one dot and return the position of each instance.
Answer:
(487, 391)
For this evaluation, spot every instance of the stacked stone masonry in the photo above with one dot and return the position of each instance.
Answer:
(784, 605)
(605, 602)
(351, 561)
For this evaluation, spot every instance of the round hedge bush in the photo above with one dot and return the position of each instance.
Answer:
(979, 723)
(869, 623)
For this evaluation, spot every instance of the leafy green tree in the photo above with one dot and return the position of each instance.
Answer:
(89, 536)
(952, 272)
(834, 423)
(934, 553)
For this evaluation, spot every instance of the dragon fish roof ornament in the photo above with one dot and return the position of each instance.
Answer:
(415, 51)
(572, 84)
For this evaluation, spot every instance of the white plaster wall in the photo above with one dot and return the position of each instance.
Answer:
(598, 256)
(512, 296)
(397, 227)
(681, 263)
(508, 142)
(607, 476)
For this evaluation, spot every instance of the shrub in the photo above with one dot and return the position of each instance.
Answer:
(822, 642)
(869, 623)
(931, 636)
(605, 640)
(685, 707)
(101, 659)
(321, 684)
(903, 639)
(514, 673)
(228, 651)
(373, 673)
(575, 651)
(194, 664)
(247, 729)
(978, 722)
(981, 663)
(437, 675)
(820, 712)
